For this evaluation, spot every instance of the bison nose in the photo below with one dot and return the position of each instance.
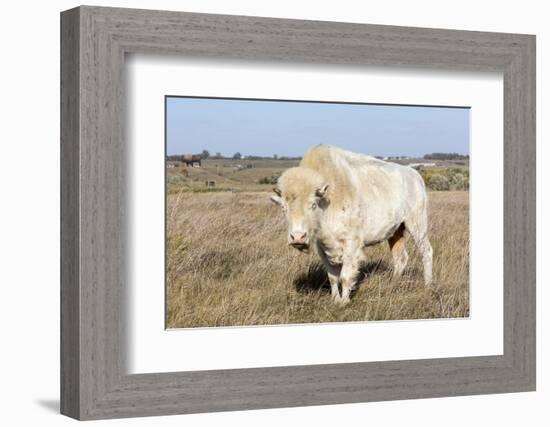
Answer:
(298, 236)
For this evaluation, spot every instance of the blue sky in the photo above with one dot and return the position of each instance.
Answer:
(288, 128)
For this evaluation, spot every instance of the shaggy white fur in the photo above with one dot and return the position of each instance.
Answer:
(339, 202)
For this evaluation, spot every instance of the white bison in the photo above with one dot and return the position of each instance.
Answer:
(339, 202)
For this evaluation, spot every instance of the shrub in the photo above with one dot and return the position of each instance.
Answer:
(446, 179)
(176, 180)
(176, 183)
(270, 179)
(438, 182)
(459, 182)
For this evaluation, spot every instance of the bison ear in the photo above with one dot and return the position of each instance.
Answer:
(321, 191)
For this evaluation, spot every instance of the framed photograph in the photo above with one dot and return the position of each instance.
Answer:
(261, 213)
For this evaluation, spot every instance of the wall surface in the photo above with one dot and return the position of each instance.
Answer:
(29, 212)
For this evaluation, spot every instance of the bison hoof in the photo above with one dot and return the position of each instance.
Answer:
(341, 301)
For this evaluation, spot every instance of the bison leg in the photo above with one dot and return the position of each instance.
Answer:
(334, 279)
(427, 259)
(348, 279)
(419, 231)
(398, 251)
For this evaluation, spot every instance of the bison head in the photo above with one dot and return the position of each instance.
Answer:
(302, 194)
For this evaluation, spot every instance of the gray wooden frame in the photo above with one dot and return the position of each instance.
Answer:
(94, 382)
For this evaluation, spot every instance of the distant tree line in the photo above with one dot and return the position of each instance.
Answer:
(446, 156)
(274, 157)
(205, 154)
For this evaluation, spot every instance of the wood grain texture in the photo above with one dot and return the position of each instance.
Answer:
(70, 291)
(94, 382)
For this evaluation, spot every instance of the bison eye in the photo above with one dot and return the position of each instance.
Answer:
(313, 205)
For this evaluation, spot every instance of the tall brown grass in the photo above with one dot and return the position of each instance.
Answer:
(228, 264)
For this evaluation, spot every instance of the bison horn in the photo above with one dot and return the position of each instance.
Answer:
(321, 192)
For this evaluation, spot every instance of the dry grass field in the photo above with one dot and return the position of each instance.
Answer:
(228, 175)
(228, 264)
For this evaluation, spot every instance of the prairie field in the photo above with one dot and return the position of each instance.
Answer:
(228, 264)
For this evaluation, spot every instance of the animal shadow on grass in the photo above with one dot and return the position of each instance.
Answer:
(315, 278)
